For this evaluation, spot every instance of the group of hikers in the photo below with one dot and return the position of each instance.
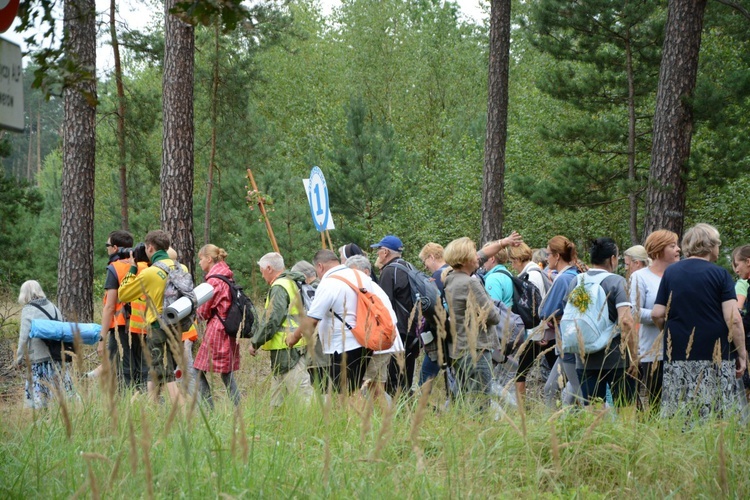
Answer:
(667, 334)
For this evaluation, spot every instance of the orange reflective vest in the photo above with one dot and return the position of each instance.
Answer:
(138, 323)
(119, 318)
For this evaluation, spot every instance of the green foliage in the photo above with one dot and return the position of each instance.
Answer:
(19, 205)
(362, 183)
(415, 149)
(606, 62)
(721, 100)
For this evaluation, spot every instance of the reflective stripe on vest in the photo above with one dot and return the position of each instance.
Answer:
(138, 323)
(278, 341)
(119, 319)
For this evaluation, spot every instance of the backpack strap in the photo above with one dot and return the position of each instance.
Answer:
(163, 266)
(45, 311)
(356, 289)
(229, 281)
(504, 271)
(225, 279)
(405, 268)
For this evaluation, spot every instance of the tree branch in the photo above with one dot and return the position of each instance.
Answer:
(739, 8)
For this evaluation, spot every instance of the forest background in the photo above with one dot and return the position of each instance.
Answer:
(390, 100)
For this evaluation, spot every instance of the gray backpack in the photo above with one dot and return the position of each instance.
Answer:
(179, 284)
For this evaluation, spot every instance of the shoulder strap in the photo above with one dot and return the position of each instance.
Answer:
(44, 311)
(351, 285)
(504, 271)
(225, 279)
(401, 266)
(598, 277)
(162, 266)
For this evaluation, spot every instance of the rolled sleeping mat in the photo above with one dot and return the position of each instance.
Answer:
(46, 329)
(184, 306)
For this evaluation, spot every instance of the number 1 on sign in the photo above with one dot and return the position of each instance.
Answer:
(317, 199)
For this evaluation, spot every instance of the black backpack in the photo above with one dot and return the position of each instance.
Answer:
(241, 314)
(57, 348)
(526, 299)
(424, 291)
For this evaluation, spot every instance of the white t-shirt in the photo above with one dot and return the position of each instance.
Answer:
(333, 295)
(643, 287)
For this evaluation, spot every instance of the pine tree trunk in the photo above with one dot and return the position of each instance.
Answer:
(121, 148)
(493, 188)
(673, 119)
(75, 267)
(177, 171)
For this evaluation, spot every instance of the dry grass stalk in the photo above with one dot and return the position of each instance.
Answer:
(77, 349)
(475, 321)
(416, 423)
(555, 447)
(93, 487)
(690, 344)
(115, 472)
(366, 418)
(522, 413)
(717, 353)
(145, 450)
(133, 447)
(59, 393)
(669, 345)
(598, 420)
(385, 431)
(108, 384)
(327, 404)
(172, 414)
(239, 427)
(723, 481)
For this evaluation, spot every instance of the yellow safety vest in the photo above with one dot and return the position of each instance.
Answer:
(278, 341)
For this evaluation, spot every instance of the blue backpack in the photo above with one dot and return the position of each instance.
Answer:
(590, 330)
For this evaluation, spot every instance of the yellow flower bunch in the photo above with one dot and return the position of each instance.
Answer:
(580, 298)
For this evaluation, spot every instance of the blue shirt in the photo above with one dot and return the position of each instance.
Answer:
(554, 302)
(499, 285)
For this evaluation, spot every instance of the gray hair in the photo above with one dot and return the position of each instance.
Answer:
(30, 290)
(637, 252)
(699, 240)
(359, 262)
(274, 260)
(305, 268)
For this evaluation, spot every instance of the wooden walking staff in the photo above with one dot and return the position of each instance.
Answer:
(328, 235)
(263, 212)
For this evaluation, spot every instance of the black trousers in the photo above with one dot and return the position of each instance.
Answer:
(399, 379)
(348, 369)
(131, 368)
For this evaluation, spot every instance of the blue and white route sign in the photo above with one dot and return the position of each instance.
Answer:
(317, 197)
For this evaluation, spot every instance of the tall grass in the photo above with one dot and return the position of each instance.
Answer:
(338, 448)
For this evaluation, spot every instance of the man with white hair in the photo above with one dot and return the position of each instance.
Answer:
(281, 317)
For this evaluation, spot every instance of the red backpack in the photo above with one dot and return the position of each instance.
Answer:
(374, 329)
